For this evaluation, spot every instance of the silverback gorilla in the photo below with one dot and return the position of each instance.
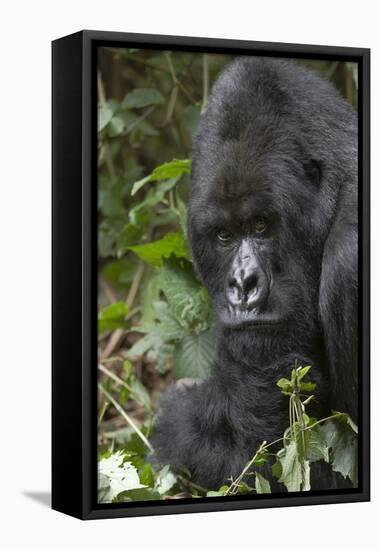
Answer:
(273, 233)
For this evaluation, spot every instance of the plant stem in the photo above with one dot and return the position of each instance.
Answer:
(126, 417)
(205, 83)
(233, 487)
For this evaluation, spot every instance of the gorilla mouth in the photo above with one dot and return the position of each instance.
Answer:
(245, 320)
(255, 324)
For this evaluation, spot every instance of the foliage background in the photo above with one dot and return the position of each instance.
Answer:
(154, 317)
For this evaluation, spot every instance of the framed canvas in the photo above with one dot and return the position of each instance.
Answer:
(210, 275)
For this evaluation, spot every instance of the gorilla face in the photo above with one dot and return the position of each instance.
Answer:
(257, 230)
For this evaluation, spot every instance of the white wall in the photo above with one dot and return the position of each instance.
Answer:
(27, 29)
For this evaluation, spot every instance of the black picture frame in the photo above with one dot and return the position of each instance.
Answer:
(74, 272)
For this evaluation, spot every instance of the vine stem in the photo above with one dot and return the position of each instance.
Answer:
(234, 485)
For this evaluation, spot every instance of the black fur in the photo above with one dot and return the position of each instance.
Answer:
(277, 142)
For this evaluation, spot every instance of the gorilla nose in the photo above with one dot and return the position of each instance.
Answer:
(247, 287)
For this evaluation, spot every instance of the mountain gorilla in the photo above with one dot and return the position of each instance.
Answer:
(273, 233)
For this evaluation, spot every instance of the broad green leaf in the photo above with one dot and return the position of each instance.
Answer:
(318, 449)
(160, 338)
(295, 473)
(142, 97)
(342, 440)
(154, 253)
(122, 476)
(262, 486)
(194, 356)
(188, 300)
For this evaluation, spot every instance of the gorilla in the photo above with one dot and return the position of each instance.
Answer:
(272, 227)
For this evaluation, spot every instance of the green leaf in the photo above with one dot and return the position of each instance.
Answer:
(120, 272)
(150, 293)
(142, 97)
(169, 170)
(188, 300)
(194, 356)
(190, 117)
(318, 449)
(130, 235)
(276, 469)
(220, 493)
(156, 196)
(341, 438)
(116, 126)
(139, 392)
(104, 115)
(285, 385)
(307, 386)
(138, 495)
(262, 486)
(112, 317)
(135, 122)
(139, 184)
(173, 169)
(154, 253)
(122, 476)
(166, 480)
(104, 493)
(146, 475)
(295, 473)
(302, 372)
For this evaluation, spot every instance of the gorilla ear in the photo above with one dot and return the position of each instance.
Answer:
(313, 171)
(338, 303)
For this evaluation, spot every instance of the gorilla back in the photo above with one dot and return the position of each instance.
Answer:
(273, 232)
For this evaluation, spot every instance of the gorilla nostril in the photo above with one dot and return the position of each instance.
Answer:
(247, 288)
(250, 284)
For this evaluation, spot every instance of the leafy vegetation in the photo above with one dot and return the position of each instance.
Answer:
(154, 318)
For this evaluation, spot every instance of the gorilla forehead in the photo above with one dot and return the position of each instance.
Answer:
(244, 181)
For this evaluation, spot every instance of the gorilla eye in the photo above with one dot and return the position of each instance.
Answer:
(224, 237)
(260, 225)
